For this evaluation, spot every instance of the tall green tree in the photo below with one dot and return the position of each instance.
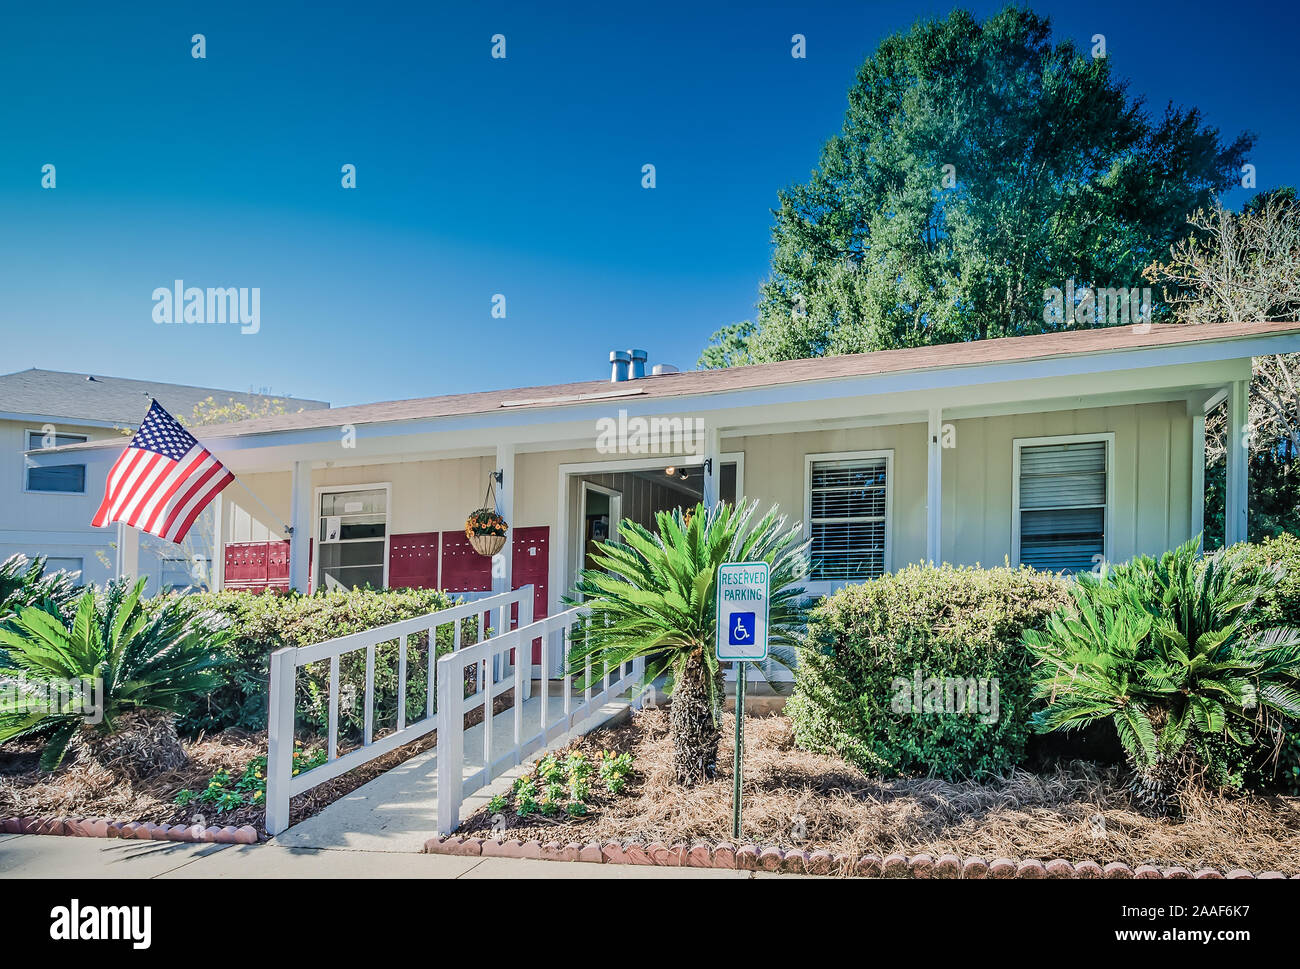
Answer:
(979, 164)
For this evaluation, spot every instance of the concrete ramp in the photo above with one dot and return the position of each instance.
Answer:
(398, 810)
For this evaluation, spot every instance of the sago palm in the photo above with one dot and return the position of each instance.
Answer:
(654, 596)
(23, 582)
(151, 663)
(1164, 649)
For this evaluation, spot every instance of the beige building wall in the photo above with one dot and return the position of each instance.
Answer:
(1151, 477)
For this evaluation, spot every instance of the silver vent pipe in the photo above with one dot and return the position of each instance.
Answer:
(639, 358)
(619, 361)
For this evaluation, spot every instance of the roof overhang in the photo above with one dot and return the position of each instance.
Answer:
(1180, 371)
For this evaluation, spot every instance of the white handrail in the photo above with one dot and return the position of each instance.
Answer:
(454, 784)
(281, 784)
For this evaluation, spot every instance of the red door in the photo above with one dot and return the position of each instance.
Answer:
(530, 565)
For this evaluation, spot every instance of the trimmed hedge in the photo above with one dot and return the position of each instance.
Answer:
(867, 643)
(264, 623)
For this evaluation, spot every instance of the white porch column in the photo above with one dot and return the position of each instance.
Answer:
(300, 520)
(1235, 510)
(128, 553)
(502, 567)
(217, 571)
(712, 466)
(1198, 476)
(934, 486)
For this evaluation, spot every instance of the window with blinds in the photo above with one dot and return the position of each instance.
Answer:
(1063, 506)
(847, 509)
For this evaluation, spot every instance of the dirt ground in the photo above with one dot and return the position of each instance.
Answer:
(797, 799)
(83, 790)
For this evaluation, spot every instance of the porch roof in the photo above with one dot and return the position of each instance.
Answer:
(953, 357)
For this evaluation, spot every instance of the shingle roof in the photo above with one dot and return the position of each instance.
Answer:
(92, 397)
(951, 356)
(945, 356)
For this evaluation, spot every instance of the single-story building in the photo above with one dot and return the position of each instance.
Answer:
(1058, 451)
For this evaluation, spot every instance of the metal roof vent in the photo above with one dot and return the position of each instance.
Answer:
(619, 361)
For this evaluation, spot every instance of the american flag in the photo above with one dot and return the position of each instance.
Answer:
(163, 480)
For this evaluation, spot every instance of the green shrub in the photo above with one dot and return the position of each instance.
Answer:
(1168, 651)
(138, 666)
(24, 582)
(261, 624)
(868, 643)
(1279, 606)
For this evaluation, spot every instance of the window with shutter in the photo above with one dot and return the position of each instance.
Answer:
(1062, 505)
(847, 510)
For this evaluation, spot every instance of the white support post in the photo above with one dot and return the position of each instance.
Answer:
(300, 520)
(217, 573)
(712, 466)
(128, 552)
(451, 745)
(1198, 476)
(279, 761)
(1235, 506)
(505, 491)
(934, 486)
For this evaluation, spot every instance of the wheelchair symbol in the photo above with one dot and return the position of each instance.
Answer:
(741, 632)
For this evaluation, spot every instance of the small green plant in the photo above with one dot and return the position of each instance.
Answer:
(554, 785)
(614, 769)
(227, 794)
(550, 770)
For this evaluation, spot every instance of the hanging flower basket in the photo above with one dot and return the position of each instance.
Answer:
(485, 529)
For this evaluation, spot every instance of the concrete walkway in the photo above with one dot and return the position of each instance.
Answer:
(398, 810)
(48, 856)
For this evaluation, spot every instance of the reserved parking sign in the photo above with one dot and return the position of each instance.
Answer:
(742, 611)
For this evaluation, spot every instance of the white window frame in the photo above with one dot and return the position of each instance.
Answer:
(1019, 443)
(27, 432)
(827, 586)
(385, 486)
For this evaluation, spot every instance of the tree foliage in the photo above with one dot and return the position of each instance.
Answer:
(1245, 267)
(978, 165)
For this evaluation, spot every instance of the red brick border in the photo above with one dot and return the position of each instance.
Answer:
(772, 858)
(108, 828)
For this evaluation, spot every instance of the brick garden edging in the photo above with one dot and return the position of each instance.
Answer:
(753, 857)
(105, 828)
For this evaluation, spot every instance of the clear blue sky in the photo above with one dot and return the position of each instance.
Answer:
(475, 176)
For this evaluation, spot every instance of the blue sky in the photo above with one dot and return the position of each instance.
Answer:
(475, 176)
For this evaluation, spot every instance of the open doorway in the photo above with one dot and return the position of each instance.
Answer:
(599, 497)
(601, 510)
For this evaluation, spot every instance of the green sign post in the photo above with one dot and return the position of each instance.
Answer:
(742, 637)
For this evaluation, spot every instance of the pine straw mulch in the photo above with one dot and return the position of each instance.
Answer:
(82, 789)
(1077, 812)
